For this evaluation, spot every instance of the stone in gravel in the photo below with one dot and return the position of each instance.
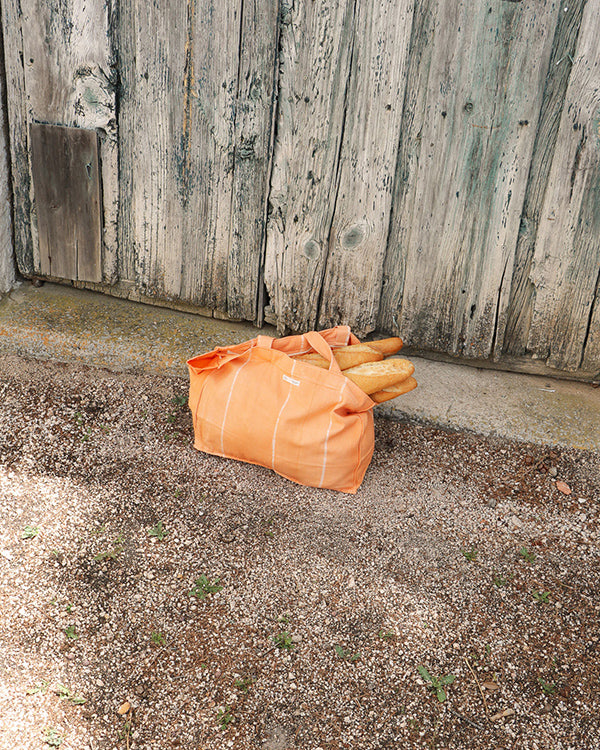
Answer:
(514, 523)
(276, 739)
(553, 471)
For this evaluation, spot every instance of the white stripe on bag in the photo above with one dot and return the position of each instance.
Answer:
(279, 417)
(227, 404)
(327, 435)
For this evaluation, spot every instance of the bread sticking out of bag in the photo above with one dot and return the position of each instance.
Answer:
(376, 376)
(386, 346)
(385, 394)
(346, 356)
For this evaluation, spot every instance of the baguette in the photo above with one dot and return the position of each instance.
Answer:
(386, 346)
(375, 376)
(346, 356)
(385, 394)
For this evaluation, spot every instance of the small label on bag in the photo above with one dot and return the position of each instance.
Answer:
(291, 380)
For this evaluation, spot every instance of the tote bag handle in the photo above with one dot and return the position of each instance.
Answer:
(319, 344)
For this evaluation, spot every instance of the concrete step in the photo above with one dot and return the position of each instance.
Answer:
(64, 324)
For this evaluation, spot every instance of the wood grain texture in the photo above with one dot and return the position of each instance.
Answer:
(18, 135)
(315, 54)
(196, 134)
(566, 264)
(254, 131)
(152, 44)
(513, 329)
(358, 237)
(67, 78)
(66, 179)
(463, 171)
(7, 262)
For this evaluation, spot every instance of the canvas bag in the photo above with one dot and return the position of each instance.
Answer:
(254, 403)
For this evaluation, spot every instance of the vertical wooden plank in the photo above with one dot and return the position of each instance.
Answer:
(463, 170)
(315, 54)
(514, 329)
(213, 81)
(152, 134)
(358, 237)
(591, 350)
(68, 78)
(18, 134)
(566, 263)
(65, 170)
(254, 123)
(7, 265)
(196, 121)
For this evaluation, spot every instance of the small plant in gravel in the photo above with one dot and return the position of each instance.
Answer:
(385, 635)
(224, 717)
(470, 555)
(41, 687)
(526, 555)
(437, 684)
(203, 587)
(500, 581)
(68, 695)
(346, 655)
(157, 638)
(158, 531)
(283, 640)
(29, 532)
(53, 738)
(111, 554)
(70, 632)
(179, 400)
(243, 683)
(541, 596)
(125, 733)
(414, 725)
(549, 688)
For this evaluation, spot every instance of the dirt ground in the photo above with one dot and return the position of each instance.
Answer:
(155, 597)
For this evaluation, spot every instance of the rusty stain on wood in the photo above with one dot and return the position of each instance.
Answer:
(188, 86)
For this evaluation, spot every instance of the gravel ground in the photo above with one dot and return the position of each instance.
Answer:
(155, 597)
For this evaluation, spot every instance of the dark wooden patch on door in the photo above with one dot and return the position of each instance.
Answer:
(66, 183)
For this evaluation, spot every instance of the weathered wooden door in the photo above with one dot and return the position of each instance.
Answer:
(427, 168)
(178, 98)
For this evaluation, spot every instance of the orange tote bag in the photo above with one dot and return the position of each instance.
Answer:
(255, 403)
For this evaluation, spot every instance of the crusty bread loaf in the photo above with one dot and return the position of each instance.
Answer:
(346, 356)
(376, 376)
(386, 346)
(395, 390)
